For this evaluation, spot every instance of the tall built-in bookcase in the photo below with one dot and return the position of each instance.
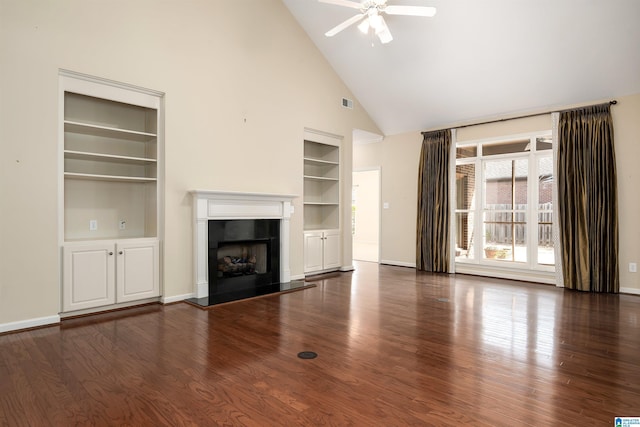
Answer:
(111, 181)
(322, 194)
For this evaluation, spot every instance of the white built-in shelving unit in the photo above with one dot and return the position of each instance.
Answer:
(322, 194)
(111, 149)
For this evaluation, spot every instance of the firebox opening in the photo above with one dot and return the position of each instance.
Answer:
(242, 258)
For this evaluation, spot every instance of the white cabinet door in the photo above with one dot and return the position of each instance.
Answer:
(313, 251)
(331, 250)
(137, 270)
(88, 276)
(321, 250)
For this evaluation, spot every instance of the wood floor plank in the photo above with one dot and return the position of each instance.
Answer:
(395, 347)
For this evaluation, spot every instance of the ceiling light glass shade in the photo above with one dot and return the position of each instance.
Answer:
(384, 36)
(364, 26)
(376, 22)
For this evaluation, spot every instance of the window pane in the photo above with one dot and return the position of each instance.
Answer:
(546, 253)
(466, 152)
(505, 236)
(545, 183)
(543, 143)
(505, 148)
(506, 183)
(464, 236)
(498, 184)
(521, 172)
(465, 186)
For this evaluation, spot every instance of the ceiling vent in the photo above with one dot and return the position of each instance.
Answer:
(347, 103)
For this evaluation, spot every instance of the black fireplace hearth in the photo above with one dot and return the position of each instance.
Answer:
(243, 260)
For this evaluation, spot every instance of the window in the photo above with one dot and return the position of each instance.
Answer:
(503, 216)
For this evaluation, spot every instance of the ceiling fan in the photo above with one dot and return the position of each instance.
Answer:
(373, 10)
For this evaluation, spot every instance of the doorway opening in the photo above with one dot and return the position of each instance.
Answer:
(365, 218)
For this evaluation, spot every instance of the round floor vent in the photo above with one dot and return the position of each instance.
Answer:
(307, 355)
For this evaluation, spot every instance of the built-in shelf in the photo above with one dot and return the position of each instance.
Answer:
(84, 155)
(321, 203)
(94, 177)
(107, 132)
(110, 150)
(321, 184)
(320, 178)
(319, 161)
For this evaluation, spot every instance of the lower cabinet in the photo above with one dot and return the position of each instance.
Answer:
(321, 250)
(100, 273)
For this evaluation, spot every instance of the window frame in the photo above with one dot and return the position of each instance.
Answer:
(479, 264)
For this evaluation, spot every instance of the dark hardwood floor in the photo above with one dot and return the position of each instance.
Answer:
(395, 347)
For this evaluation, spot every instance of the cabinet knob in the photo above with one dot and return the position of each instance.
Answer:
(120, 253)
(110, 253)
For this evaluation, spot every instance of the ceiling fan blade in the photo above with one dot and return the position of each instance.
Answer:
(345, 3)
(335, 30)
(383, 32)
(410, 10)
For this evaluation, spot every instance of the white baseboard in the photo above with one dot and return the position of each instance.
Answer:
(29, 323)
(633, 291)
(298, 277)
(398, 263)
(347, 268)
(505, 273)
(176, 298)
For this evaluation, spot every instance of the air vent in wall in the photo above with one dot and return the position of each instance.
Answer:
(347, 103)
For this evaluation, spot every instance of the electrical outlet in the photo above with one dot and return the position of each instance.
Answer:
(93, 225)
(633, 267)
(122, 224)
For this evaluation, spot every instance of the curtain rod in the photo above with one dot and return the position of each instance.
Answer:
(612, 102)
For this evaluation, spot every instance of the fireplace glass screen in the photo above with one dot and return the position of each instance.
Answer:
(242, 259)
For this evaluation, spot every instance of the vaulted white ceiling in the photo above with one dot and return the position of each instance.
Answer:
(481, 59)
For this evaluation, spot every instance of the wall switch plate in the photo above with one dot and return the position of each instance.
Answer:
(633, 267)
(122, 224)
(385, 205)
(93, 225)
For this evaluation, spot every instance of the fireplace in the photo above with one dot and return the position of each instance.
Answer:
(244, 255)
(240, 226)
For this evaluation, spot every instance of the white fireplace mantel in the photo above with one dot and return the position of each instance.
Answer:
(211, 204)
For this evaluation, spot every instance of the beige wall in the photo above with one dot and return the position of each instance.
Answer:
(241, 79)
(397, 156)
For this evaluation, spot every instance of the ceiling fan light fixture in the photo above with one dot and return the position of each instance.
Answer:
(371, 16)
(385, 36)
(364, 26)
(376, 22)
(383, 32)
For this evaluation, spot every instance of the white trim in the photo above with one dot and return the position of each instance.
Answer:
(503, 273)
(102, 81)
(632, 291)
(452, 202)
(315, 135)
(398, 263)
(503, 138)
(298, 277)
(555, 117)
(362, 137)
(109, 307)
(347, 268)
(29, 323)
(176, 298)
